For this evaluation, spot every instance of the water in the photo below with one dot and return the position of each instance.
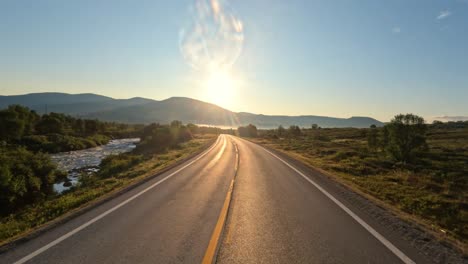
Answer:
(88, 160)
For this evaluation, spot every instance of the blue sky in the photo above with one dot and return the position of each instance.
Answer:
(337, 58)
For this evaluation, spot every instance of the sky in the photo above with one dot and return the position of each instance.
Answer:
(337, 58)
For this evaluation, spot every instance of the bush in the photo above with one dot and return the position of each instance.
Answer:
(158, 138)
(25, 178)
(113, 164)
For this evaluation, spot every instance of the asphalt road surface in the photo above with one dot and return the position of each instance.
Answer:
(277, 214)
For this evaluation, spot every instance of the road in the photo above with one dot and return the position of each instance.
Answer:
(275, 213)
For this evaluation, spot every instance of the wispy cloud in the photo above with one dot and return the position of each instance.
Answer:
(444, 14)
(396, 30)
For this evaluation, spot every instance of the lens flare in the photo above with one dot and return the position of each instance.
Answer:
(220, 87)
(214, 36)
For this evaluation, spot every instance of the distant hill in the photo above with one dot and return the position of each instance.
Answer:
(187, 110)
(451, 118)
(73, 104)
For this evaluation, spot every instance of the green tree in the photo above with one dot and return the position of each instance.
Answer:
(50, 124)
(25, 178)
(384, 138)
(294, 131)
(176, 123)
(281, 131)
(11, 127)
(16, 121)
(79, 126)
(193, 128)
(372, 138)
(407, 136)
(156, 138)
(91, 126)
(248, 131)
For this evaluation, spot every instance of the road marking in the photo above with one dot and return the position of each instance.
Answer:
(371, 230)
(213, 245)
(95, 219)
(210, 253)
(220, 153)
(236, 167)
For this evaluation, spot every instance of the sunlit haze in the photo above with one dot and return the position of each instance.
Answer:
(334, 58)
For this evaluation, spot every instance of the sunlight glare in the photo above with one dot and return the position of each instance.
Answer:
(220, 87)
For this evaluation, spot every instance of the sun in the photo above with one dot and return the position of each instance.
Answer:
(220, 87)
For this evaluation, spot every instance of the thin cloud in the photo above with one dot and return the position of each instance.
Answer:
(444, 14)
(396, 30)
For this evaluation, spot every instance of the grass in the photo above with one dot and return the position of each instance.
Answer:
(433, 189)
(117, 172)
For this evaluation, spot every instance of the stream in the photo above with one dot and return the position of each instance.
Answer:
(88, 160)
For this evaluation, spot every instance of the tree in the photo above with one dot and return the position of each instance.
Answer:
(11, 127)
(315, 126)
(176, 123)
(91, 126)
(79, 126)
(281, 131)
(16, 121)
(294, 131)
(247, 131)
(384, 138)
(156, 138)
(407, 135)
(50, 124)
(25, 178)
(372, 138)
(193, 128)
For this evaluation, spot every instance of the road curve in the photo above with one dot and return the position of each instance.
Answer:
(278, 213)
(169, 223)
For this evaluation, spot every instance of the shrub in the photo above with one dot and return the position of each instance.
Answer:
(25, 178)
(113, 164)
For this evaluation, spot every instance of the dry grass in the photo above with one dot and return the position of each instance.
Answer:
(433, 189)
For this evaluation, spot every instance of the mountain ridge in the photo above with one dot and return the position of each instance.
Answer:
(185, 109)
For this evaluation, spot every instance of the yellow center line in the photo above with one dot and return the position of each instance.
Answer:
(213, 245)
(210, 254)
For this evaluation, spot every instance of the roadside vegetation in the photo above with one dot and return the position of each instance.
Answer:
(53, 132)
(27, 175)
(421, 169)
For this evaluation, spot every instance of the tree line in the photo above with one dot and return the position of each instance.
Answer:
(56, 132)
(27, 173)
(403, 138)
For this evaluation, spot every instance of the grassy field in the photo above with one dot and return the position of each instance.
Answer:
(433, 189)
(117, 172)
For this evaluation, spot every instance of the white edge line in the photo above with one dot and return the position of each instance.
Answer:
(95, 219)
(371, 230)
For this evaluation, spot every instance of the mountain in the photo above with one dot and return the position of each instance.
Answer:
(451, 118)
(187, 110)
(73, 104)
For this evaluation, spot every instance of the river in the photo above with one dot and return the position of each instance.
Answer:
(88, 160)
